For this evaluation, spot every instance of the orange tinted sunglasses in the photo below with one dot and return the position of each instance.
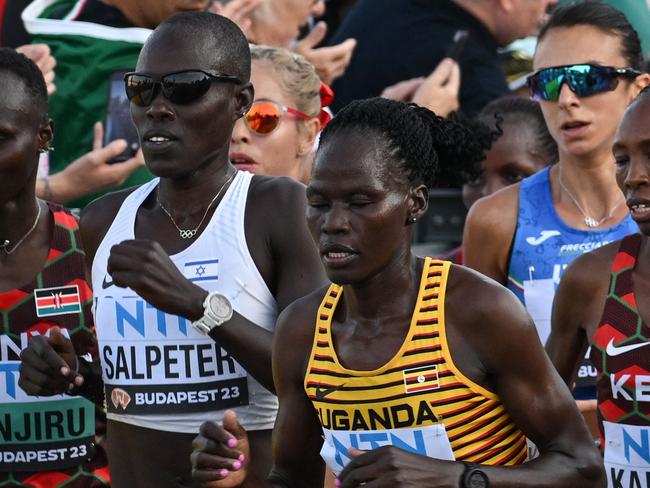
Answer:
(264, 116)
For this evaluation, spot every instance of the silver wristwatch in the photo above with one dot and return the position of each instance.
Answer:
(217, 309)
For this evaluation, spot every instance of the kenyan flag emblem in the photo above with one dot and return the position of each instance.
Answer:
(59, 300)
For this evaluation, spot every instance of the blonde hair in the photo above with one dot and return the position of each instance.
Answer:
(296, 76)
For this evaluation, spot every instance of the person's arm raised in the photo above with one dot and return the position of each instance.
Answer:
(297, 433)
(489, 232)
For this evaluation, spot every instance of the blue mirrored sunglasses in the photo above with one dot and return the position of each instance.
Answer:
(583, 79)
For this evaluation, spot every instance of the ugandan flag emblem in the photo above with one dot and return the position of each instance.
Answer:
(59, 300)
(421, 379)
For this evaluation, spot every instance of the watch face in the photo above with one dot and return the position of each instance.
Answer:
(220, 306)
(477, 479)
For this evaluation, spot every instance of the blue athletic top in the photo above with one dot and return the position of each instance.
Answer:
(543, 247)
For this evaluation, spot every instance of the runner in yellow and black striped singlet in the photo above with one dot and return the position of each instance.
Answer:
(418, 400)
(407, 372)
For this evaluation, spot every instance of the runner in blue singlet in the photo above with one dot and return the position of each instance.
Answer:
(587, 71)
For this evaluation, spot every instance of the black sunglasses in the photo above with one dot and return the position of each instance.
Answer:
(179, 87)
(583, 79)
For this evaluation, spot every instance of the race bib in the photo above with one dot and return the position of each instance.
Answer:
(155, 363)
(538, 295)
(627, 455)
(39, 434)
(428, 441)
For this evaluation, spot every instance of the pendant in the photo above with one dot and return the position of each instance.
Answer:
(591, 222)
(188, 234)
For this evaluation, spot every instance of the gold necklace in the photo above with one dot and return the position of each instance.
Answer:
(589, 221)
(5, 244)
(190, 233)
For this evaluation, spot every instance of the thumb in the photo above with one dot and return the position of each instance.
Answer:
(443, 71)
(59, 342)
(315, 36)
(231, 424)
(112, 149)
(355, 453)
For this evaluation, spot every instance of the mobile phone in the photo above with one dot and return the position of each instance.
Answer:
(455, 49)
(118, 124)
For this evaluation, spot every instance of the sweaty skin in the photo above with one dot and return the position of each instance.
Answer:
(580, 299)
(192, 167)
(357, 203)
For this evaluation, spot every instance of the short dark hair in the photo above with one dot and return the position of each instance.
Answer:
(430, 150)
(26, 70)
(521, 112)
(602, 16)
(220, 38)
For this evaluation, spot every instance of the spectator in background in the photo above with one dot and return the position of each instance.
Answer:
(89, 173)
(277, 23)
(407, 39)
(276, 137)
(438, 92)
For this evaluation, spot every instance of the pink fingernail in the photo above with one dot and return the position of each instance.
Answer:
(236, 465)
(223, 473)
(241, 458)
(232, 442)
(337, 482)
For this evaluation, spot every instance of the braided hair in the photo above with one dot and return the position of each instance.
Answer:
(521, 112)
(429, 149)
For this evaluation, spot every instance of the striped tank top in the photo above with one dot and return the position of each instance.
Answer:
(418, 401)
(622, 358)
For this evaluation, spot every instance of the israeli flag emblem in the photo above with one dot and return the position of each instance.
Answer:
(205, 270)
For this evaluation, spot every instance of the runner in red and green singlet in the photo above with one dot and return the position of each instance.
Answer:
(602, 302)
(47, 441)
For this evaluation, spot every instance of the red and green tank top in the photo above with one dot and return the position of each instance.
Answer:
(621, 354)
(50, 442)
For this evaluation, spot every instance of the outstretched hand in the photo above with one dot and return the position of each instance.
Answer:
(145, 267)
(49, 365)
(221, 454)
(331, 61)
(91, 172)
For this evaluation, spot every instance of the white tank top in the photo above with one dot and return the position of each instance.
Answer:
(159, 372)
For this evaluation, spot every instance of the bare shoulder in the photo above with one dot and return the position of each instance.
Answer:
(293, 338)
(277, 205)
(97, 217)
(296, 323)
(276, 191)
(489, 231)
(490, 301)
(496, 213)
